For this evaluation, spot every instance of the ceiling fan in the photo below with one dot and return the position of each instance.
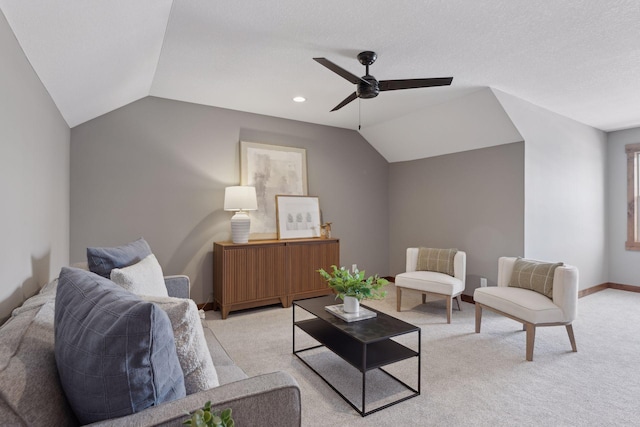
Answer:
(369, 87)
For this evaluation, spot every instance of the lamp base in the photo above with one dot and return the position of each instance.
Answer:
(240, 225)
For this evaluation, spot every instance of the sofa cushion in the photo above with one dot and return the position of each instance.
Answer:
(28, 375)
(438, 260)
(115, 353)
(195, 360)
(534, 275)
(430, 281)
(226, 368)
(523, 304)
(142, 278)
(102, 260)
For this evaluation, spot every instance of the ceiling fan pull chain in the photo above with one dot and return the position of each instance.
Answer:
(359, 113)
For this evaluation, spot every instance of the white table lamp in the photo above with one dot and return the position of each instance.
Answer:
(240, 198)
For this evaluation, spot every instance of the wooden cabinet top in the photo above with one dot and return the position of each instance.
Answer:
(276, 242)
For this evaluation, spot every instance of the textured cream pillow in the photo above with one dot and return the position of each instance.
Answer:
(438, 260)
(534, 275)
(193, 354)
(143, 278)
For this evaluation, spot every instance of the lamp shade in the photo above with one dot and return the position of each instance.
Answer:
(240, 198)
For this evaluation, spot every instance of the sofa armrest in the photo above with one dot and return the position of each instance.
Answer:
(505, 269)
(460, 267)
(412, 259)
(269, 399)
(565, 291)
(177, 286)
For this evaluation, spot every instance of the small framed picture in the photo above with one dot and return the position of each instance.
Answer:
(297, 217)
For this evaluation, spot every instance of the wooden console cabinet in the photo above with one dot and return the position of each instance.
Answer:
(264, 272)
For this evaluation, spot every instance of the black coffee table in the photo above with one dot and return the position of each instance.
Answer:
(365, 344)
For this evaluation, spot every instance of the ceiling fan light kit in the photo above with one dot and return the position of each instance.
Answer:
(368, 86)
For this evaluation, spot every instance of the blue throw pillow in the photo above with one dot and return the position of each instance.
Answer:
(102, 260)
(115, 353)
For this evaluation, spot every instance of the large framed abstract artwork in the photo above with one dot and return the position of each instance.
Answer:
(272, 170)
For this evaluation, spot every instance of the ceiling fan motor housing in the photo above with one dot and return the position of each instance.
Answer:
(370, 90)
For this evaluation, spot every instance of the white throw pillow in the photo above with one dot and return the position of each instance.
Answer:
(143, 278)
(193, 353)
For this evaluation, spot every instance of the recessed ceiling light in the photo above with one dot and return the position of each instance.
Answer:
(299, 99)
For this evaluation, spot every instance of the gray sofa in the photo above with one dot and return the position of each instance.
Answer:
(31, 394)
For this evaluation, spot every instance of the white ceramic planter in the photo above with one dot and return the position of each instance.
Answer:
(351, 305)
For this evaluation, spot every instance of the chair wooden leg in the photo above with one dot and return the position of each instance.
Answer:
(458, 301)
(424, 298)
(531, 337)
(478, 317)
(449, 307)
(571, 337)
(398, 298)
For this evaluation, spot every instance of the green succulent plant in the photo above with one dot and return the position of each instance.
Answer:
(354, 284)
(205, 418)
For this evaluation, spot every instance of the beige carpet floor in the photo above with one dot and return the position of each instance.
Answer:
(468, 379)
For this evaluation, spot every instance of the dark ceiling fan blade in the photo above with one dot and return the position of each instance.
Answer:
(340, 71)
(347, 100)
(414, 83)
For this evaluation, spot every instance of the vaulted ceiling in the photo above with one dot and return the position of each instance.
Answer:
(577, 58)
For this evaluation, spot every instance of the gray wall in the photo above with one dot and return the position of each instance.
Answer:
(565, 202)
(624, 265)
(157, 168)
(472, 201)
(34, 179)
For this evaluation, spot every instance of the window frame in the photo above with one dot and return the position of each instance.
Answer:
(633, 199)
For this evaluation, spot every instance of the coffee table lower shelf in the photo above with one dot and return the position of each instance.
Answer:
(363, 356)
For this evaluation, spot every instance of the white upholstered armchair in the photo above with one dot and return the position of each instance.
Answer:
(433, 283)
(529, 307)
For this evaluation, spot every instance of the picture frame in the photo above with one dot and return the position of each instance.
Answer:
(298, 217)
(272, 170)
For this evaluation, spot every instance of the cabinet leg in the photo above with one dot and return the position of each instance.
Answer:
(224, 311)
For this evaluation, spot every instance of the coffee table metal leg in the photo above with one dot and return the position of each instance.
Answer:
(419, 357)
(293, 328)
(364, 378)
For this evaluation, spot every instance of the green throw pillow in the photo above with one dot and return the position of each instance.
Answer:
(534, 275)
(438, 260)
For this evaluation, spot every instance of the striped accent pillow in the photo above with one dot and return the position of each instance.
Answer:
(438, 260)
(534, 275)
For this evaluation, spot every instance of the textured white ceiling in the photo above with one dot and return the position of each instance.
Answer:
(577, 58)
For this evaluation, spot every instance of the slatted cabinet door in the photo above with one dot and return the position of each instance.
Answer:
(248, 275)
(255, 273)
(305, 258)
